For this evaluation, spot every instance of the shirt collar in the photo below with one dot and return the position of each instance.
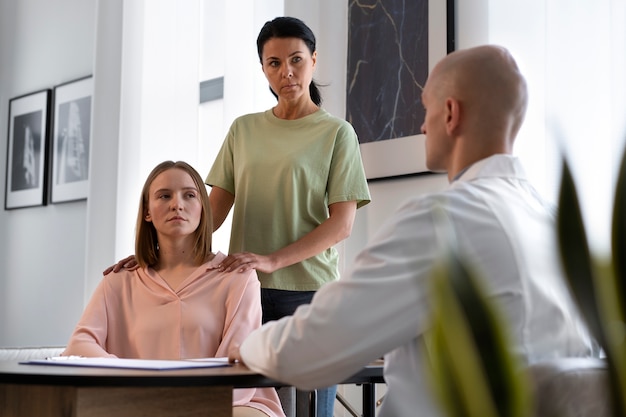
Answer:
(460, 173)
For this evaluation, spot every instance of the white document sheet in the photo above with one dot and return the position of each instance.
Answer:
(152, 364)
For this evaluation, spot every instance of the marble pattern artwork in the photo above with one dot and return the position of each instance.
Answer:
(387, 67)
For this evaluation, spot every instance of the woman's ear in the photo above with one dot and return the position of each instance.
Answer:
(147, 217)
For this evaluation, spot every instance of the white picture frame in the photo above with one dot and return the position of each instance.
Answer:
(71, 141)
(406, 156)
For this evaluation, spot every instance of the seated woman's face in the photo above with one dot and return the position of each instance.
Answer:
(174, 206)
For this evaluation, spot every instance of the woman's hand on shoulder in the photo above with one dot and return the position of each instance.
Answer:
(245, 261)
(129, 263)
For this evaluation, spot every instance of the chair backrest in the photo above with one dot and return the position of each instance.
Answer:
(27, 353)
(568, 387)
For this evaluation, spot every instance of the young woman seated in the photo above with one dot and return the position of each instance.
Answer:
(176, 305)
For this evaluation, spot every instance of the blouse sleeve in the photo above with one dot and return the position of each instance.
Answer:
(243, 314)
(90, 334)
(243, 310)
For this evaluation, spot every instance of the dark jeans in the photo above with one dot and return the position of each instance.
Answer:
(280, 303)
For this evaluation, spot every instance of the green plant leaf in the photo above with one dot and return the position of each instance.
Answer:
(591, 281)
(615, 293)
(618, 239)
(575, 254)
(460, 381)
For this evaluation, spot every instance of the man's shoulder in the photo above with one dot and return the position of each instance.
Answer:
(424, 205)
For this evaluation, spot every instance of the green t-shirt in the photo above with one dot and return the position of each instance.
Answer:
(284, 174)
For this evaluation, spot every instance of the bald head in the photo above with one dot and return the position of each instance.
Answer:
(484, 94)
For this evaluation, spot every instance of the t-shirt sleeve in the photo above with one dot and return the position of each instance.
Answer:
(222, 171)
(347, 181)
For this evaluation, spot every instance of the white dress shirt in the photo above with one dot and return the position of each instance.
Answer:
(381, 307)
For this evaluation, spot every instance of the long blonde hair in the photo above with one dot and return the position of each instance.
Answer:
(146, 242)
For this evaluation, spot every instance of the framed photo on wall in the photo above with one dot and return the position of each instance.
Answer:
(71, 137)
(29, 117)
(392, 46)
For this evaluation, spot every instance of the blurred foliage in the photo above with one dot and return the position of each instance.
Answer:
(473, 370)
(597, 283)
(474, 373)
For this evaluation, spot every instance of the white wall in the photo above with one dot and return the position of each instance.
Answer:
(42, 249)
(145, 111)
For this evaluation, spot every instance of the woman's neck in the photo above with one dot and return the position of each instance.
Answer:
(294, 110)
(177, 254)
(176, 263)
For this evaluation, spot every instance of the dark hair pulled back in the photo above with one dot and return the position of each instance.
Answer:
(289, 27)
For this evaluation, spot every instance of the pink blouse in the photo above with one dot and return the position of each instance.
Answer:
(137, 315)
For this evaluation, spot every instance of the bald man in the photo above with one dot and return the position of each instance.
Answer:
(475, 101)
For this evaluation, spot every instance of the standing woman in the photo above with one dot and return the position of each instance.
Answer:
(294, 177)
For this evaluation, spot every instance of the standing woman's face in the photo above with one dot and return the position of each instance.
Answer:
(288, 66)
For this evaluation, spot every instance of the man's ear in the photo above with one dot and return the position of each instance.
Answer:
(453, 115)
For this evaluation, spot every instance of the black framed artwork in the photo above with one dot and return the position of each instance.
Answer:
(71, 140)
(27, 150)
(392, 46)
